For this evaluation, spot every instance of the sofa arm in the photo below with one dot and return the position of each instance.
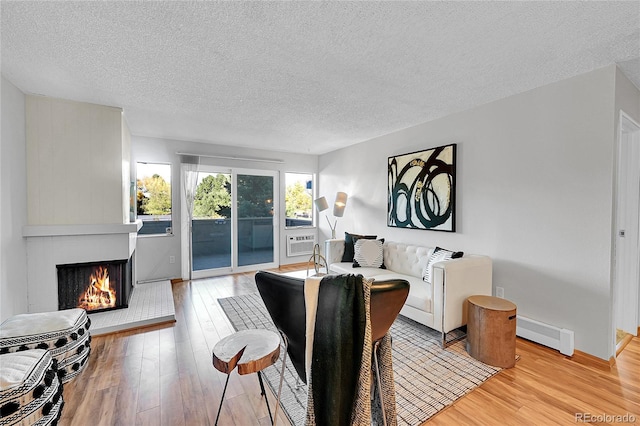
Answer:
(454, 281)
(333, 251)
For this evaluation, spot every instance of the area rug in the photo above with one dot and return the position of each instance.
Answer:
(427, 377)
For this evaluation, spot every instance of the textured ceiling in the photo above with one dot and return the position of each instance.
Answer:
(305, 76)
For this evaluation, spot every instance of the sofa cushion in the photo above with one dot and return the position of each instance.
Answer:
(406, 259)
(347, 268)
(420, 293)
(349, 241)
(368, 253)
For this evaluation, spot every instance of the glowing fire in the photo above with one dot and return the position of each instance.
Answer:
(99, 295)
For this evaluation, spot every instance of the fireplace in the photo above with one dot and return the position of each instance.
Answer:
(95, 286)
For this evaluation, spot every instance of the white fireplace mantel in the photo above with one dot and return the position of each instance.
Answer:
(89, 229)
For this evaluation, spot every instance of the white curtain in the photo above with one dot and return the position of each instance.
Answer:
(189, 177)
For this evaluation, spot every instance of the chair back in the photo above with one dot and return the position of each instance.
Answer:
(284, 298)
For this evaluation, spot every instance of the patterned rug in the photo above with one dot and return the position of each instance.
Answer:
(427, 377)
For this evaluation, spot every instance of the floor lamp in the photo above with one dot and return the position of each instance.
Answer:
(338, 209)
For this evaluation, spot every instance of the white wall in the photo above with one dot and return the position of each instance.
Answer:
(534, 192)
(152, 253)
(13, 203)
(75, 158)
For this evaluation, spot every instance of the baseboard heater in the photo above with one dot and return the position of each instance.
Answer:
(298, 245)
(560, 339)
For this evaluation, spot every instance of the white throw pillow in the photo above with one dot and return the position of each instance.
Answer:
(437, 256)
(368, 253)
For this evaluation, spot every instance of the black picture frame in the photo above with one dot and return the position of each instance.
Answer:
(422, 189)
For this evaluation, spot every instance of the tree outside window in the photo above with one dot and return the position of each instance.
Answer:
(255, 196)
(299, 199)
(153, 195)
(213, 197)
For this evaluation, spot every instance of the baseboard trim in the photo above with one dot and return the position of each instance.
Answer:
(589, 360)
(625, 341)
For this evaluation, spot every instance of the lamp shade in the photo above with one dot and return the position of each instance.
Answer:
(340, 204)
(321, 204)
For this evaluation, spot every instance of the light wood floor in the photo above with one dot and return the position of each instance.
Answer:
(163, 375)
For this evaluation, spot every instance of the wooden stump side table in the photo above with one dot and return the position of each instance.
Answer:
(251, 351)
(491, 330)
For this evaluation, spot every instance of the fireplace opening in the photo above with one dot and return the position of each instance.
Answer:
(95, 286)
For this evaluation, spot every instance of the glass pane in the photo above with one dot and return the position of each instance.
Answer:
(255, 219)
(298, 199)
(153, 197)
(211, 232)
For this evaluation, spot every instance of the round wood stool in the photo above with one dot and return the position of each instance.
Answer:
(491, 330)
(251, 351)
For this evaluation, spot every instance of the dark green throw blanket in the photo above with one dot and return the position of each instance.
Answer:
(337, 348)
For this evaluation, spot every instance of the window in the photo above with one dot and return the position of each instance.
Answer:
(298, 199)
(153, 197)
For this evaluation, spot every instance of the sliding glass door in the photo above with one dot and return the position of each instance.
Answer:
(212, 220)
(255, 224)
(234, 224)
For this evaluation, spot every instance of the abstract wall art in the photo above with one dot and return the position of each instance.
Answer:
(421, 189)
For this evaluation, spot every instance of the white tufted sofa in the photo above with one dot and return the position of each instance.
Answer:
(432, 305)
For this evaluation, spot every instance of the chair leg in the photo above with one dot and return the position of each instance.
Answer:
(375, 360)
(284, 360)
